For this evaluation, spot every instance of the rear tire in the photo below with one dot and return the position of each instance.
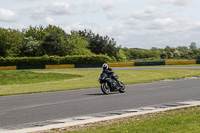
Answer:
(122, 89)
(105, 88)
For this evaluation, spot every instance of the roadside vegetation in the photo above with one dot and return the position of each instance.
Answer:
(24, 82)
(53, 41)
(184, 120)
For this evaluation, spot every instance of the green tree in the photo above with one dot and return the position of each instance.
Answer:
(3, 47)
(126, 53)
(10, 42)
(193, 46)
(54, 41)
(57, 42)
(100, 44)
(194, 51)
(135, 53)
(31, 47)
(183, 50)
(169, 52)
(163, 54)
(121, 56)
(77, 45)
(36, 32)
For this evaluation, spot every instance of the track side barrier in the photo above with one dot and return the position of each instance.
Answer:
(60, 66)
(8, 67)
(150, 63)
(131, 64)
(88, 65)
(182, 62)
(198, 62)
(31, 67)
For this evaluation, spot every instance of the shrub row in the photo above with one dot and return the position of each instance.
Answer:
(54, 60)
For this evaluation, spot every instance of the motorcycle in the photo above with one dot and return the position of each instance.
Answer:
(110, 85)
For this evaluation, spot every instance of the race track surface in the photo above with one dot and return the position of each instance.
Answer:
(22, 109)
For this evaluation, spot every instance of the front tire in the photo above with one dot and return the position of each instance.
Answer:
(123, 88)
(105, 88)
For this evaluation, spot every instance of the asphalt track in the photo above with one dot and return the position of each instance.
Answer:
(22, 109)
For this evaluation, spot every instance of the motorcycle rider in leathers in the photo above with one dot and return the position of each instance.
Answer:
(109, 71)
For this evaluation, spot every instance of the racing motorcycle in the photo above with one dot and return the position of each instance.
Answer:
(110, 85)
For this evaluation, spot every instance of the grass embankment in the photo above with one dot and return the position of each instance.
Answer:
(59, 80)
(28, 77)
(185, 120)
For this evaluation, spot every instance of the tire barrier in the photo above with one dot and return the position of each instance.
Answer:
(31, 67)
(131, 64)
(150, 63)
(87, 65)
(182, 62)
(59, 66)
(198, 62)
(8, 67)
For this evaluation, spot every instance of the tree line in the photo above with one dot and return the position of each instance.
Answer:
(180, 52)
(37, 41)
(54, 41)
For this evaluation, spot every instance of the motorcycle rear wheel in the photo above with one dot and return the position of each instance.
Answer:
(105, 88)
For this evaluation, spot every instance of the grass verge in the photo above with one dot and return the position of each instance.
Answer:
(185, 120)
(88, 79)
(28, 77)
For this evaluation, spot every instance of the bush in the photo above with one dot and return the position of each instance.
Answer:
(84, 59)
(54, 60)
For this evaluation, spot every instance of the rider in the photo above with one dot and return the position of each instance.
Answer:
(109, 71)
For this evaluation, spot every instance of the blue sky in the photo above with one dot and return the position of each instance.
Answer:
(132, 23)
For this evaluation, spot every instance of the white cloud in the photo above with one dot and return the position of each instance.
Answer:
(174, 2)
(7, 15)
(75, 27)
(60, 8)
(111, 15)
(154, 28)
(38, 13)
(87, 8)
(49, 20)
(82, 26)
(55, 8)
(196, 27)
(148, 14)
(108, 5)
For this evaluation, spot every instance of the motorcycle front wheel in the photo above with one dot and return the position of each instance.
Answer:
(105, 88)
(123, 88)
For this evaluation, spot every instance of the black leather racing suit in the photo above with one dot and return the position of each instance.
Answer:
(109, 71)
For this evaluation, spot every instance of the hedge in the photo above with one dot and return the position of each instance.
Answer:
(54, 60)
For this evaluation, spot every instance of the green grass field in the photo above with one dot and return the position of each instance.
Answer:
(185, 120)
(24, 82)
(29, 77)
